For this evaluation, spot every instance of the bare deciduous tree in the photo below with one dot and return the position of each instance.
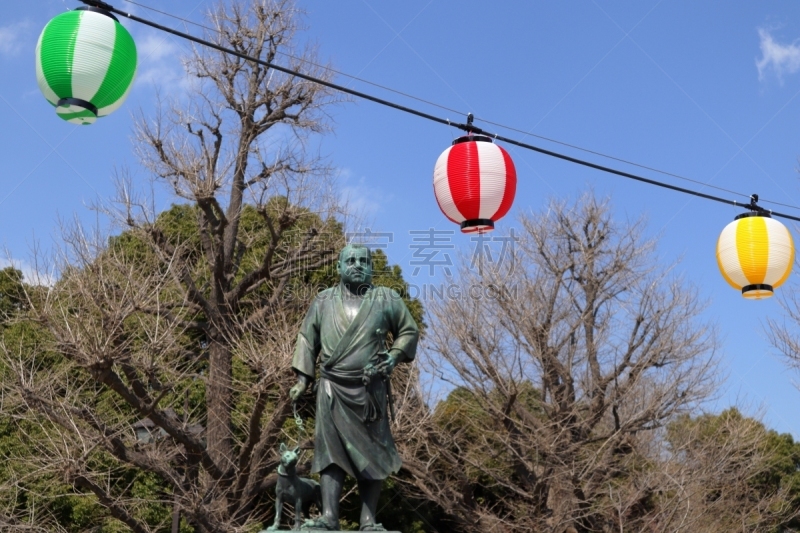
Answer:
(564, 356)
(172, 341)
(782, 333)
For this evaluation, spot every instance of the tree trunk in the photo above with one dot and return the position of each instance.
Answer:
(562, 504)
(219, 398)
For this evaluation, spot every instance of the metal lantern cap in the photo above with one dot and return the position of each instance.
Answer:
(470, 138)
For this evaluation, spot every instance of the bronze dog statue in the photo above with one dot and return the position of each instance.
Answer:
(292, 488)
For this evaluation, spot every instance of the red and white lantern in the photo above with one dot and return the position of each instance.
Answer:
(474, 181)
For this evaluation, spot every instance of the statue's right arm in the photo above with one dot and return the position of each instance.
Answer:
(306, 350)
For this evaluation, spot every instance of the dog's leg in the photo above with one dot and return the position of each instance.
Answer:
(298, 510)
(278, 510)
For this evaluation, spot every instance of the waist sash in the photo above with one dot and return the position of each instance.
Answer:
(373, 408)
(347, 378)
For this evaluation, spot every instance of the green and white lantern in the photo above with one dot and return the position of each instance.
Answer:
(85, 64)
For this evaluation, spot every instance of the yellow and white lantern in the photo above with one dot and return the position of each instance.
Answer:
(755, 254)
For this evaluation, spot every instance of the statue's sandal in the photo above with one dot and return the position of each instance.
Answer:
(318, 524)
(372, 527)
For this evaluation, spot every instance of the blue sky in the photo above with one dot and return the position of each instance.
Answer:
(707, 90)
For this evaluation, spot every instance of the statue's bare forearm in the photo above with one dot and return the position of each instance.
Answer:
(303, 378)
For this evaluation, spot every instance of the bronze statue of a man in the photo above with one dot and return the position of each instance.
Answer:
(345, 331)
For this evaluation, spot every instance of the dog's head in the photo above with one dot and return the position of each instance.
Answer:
(289, 456)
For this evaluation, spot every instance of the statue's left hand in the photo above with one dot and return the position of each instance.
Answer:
(300, 387)
(385, 368)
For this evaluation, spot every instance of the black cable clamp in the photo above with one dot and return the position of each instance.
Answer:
(469, 127)
(755, 209)
(754, 204)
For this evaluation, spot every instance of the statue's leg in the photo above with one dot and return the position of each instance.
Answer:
(370, 491)
(331, 481)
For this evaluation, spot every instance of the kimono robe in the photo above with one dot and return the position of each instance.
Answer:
(352, 423)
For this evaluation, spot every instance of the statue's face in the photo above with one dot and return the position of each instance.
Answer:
(355, 266)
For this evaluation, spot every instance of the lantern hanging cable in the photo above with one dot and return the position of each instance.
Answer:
(628, 162)
(468, 127)
(346, 75)
(498, 124)
(362, 95)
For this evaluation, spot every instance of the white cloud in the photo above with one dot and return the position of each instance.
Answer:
(776, 57)
(361, 200)
(13, 37)
(159, 64)
(155, 47)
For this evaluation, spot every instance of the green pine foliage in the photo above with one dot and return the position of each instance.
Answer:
(774, 461)
(12, 294)
(734, 461)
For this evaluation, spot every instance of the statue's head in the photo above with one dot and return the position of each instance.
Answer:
(355, 266)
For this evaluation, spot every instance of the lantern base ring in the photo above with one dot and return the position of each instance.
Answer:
(757, 288)
(487, 223)
(66, 102)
